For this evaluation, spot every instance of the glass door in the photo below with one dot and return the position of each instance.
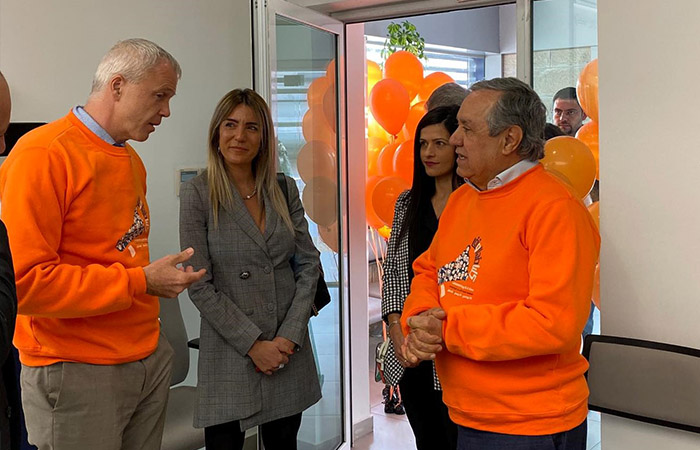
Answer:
(297, 56)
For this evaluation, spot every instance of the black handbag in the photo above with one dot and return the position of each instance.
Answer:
(323, 297)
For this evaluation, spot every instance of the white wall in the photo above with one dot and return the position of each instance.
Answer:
(49, 51)
(650, 258)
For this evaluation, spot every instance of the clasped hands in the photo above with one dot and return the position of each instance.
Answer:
(271, 356)
(424, 340)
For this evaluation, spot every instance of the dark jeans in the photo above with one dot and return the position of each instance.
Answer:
(280, 434)
(426, 412)
(574, 439)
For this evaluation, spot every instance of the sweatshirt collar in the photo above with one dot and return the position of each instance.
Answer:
(95, 127)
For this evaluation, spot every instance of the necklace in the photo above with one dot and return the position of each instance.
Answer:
(252, 194)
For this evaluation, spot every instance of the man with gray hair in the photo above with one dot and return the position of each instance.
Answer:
(500, 298)
(449, 94)
(95, 368)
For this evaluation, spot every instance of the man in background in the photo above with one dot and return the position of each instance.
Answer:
(448, 94)
(95, 367)
(567, 112)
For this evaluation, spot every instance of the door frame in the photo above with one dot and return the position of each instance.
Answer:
(264, 58)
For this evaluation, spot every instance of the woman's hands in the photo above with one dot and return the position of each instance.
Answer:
(398, 339)
(269, 356)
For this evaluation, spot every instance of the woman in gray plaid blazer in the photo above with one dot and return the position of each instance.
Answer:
(256, 365)
(415, 221)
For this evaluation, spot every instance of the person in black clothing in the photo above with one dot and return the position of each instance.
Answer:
(415, 221)
(9, 397)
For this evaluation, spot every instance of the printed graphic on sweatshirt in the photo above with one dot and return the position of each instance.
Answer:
(139, 226)
(465, 267)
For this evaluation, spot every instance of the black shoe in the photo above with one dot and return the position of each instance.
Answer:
(399, 409)
(389, 407)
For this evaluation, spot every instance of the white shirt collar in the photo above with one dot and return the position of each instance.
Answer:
(509, 174)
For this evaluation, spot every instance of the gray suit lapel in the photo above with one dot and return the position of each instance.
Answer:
(244, 220)
(272, 219)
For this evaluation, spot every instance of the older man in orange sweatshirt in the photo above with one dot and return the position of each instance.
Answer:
(501, 296)
(95, 369)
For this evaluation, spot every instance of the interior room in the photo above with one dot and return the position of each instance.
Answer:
(312, 61)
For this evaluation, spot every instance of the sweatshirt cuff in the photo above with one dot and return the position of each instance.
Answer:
(137, 280)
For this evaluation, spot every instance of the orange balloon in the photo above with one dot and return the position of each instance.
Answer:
(374, 74)
(372, 219)
(588, 134)
(316, 159)
(385, 161)
(415, 114)
(330, 71)
(315, 128)
(374, 146)
(572, 159)
(596, 286)
(376, 130)
(316, 91)
(594, 209)
(403, 161)
(320, 200)
(384, 197)
(329, 236)
(432, 82)
(587, 89)
(329, 107)
(389, 103)
(405, 68)
(384, 232)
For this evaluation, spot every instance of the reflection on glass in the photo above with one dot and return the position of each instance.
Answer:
(304, 107)
(564, 39)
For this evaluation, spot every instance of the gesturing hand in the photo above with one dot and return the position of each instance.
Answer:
(165, 279)
(425, 339)
(267, 356)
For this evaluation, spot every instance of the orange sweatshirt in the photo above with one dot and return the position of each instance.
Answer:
(513, 269)
(77, 219)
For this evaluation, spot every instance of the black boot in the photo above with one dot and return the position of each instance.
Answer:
(389, 402)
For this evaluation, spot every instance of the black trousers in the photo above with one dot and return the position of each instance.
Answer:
(280, 434)
(426, 412)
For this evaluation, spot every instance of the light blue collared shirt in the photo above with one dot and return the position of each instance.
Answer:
(508, 175)
(93, 126)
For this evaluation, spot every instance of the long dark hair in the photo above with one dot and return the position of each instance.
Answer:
(423, 187)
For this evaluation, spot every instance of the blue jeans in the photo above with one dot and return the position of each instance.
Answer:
(470, 439)
(588, 329)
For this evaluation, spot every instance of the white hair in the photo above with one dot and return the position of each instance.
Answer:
(131, 58)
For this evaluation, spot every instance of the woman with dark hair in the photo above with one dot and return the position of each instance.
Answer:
(256, 364)
(415, 221)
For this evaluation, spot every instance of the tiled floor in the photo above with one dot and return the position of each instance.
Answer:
(394, 432)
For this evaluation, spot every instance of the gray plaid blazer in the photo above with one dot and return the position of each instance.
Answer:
(257, 286)
(396, 286)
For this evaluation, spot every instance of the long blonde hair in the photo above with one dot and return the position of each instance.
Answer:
(264, 163)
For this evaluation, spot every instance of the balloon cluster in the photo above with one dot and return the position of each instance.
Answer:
(576, 160)
(317, 159)
(396, 99)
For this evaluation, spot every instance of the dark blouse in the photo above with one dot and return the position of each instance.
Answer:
(419, 241)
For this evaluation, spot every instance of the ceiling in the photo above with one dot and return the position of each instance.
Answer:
(366, 10)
